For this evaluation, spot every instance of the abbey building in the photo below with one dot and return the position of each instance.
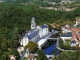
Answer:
(35, 34)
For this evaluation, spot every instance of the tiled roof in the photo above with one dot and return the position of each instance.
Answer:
(78, 37)
(31, 56)
(75, 34)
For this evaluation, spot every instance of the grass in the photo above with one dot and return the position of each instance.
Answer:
(67, 43)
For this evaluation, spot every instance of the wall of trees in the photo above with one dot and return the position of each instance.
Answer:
(15, 19)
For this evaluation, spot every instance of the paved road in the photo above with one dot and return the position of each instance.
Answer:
(58, 47)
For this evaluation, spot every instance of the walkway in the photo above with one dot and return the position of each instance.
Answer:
(22, 56)
(52, 38)
(42, 41)
(58, 47)
(49, 35)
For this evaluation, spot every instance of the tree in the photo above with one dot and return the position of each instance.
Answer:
(77, 55)
(63, 56)
(32, 46)
(72, 54)
(24, 58)
(41, 55)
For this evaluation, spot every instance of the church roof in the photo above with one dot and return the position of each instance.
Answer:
(29, 31)
(44, 26)
(32, 34)
(73, 41)
(33, 18)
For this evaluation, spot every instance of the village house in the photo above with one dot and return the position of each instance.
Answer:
(30, 56)
(12, 57)
(77, 22)
(71, 33)
(68, 1)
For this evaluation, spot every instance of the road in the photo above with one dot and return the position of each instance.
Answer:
(58, 47)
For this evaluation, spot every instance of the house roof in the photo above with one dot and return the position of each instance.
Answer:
(73, 41)
(31, 56)
(12, 57)
(64, 35)
(78, 37)
(69, 34)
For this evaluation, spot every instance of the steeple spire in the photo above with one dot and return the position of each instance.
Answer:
(33, 23)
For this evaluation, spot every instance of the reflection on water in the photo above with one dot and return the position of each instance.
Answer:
(50, 48)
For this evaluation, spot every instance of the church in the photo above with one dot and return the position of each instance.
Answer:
(35, 34)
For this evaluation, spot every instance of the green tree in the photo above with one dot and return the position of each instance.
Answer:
(77, 55)
(24, 58)
(63, 56)
(41, 55)
(32, 46)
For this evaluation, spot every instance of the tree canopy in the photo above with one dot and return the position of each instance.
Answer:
(32, 46)
(41, 55)
(63, 56)
(15, 20)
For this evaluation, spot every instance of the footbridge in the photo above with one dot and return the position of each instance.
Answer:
(42, 42)
(52, 38)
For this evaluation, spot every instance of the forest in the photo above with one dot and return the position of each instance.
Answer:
(15, 19)
(31, 0)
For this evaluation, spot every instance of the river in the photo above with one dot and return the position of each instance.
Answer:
(50, 48)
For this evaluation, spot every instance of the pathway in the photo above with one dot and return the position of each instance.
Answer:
(58, 47)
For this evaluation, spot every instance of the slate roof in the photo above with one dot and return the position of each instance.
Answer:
(33, 19)
(27, 50)
(44, 26)
(29, 31)
(32, 34)
(69, 34)
(73, 41)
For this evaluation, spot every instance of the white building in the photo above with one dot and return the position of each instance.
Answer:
(67, 1)
(77, 22)
(34, 34)
(43, 30)
(65, 29)
(66, 36)
(73, 43)
(12, 57)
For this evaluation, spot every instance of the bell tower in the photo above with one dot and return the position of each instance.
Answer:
(33, 23)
